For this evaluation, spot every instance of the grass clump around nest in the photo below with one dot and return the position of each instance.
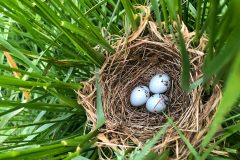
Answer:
(49, 50)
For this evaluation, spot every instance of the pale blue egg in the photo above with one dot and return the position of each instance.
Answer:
(139, 96)
(159, 83)
(157, 103)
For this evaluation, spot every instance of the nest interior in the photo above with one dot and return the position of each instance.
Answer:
(137, 68)
(134, 65)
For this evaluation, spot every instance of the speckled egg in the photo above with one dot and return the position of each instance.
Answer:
(159, 83)
(157, 103)
(139, 96)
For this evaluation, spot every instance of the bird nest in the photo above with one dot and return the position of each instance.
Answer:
(134, 64)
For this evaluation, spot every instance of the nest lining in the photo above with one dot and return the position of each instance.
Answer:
(137, 68)
(134, 65)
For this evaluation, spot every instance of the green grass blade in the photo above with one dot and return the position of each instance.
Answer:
(4, 119)
(198, 20)
(53, 82)
(165, 15)
(230, 96)
(81, 45)
(212, 28)
(96, 6)
(204, 11)
(164, 155)
(195, 84)
(149, 144)
(130, 13)
(185, 14)
(14, 154)
(192, 10)
(100, 113)
(32, 124)
(155, 6)
(154, 156)
(227, 46)
(113, 15)
(16, 53)
(185, 76)
(224, 56)
(185, 140)
(66, 100)
(7, 80)
(179, 6)
(227, 133)
(87, 35)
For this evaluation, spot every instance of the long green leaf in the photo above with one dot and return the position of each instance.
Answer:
(130, 13)
(66, 100)
(87, 35)
(198, 20)
(149, 144)
(155, 6)
(35, 75)
(7, 80)
(99, 105)
(230, 96)
(227, 133)
(185, 76)
(165, 15)
(16, 53)
(185, 140)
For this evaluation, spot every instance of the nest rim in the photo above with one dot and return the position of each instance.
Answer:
(113, 135)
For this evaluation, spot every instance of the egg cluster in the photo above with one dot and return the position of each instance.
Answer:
(156, 103)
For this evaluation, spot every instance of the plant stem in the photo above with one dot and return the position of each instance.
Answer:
(130, 13)
(212, 25)
(185, 17)
(155, 7)
(165, 15)
(204, 11)
(180, 8)
(198, 21)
